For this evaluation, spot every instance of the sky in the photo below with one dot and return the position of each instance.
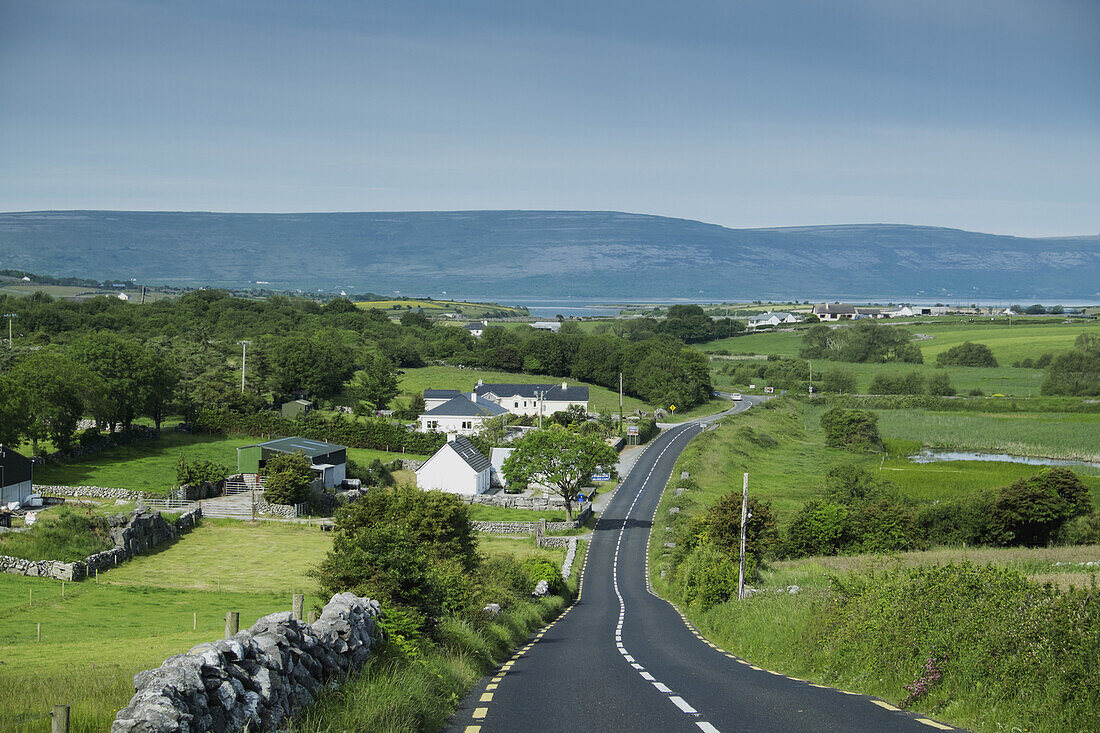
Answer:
(981, 115)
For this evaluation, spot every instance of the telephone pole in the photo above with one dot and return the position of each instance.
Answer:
(744, 520)
(620, 403)
(542, 396)
(244, 354)
(10, 316)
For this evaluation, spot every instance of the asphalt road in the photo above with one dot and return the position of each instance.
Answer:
(622, 659)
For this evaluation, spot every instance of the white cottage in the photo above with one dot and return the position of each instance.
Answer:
(457, 468)
(461, 415)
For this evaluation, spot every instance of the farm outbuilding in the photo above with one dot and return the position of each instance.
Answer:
(15, 476)
(457, 468)
(327, 459)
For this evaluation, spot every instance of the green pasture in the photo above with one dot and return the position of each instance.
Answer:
(1009, 343)
(485, 513)
(418, 379)
(791, 471)
(1070, 435)
(150, 466)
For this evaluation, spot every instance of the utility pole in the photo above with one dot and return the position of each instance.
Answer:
(244, 354)
(744, 519)
(10, 316)
(620, 403)
(811, 375)
(542, 397)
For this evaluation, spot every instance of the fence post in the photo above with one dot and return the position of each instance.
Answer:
(60, 722)
(232, 623)
(38, 633)
(311, 617)
(297, 606)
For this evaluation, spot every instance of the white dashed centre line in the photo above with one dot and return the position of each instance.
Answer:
(678, 701)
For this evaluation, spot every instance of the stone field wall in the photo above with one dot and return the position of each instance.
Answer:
(132, 535)
(258, 678)
(531, 527)
(100, 492)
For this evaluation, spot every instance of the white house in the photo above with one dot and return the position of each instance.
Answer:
(772, 319)
(902, 312)
(433, 398)
(476, 328)
(122, 296)
(15, 476)
(461, 415)
(457, 468)
(554, 326)
(534, 399)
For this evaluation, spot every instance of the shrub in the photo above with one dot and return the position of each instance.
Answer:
(1076, 372)
(851, 429)
(722, 526)
(965, 520)
(908, 384)
(539, 568)
(1030, 510)
(708, 577)
(69, 538)
(819, 528)
(939, 385)
(288, 478)
(968, 355)
(198, 472)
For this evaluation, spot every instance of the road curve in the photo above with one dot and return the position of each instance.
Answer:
(622, 659)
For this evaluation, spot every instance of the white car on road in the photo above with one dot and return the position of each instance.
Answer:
(736, 396)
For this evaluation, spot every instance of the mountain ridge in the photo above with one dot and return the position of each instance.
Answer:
(532, 252)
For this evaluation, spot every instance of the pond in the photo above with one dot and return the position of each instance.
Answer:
(929, 456)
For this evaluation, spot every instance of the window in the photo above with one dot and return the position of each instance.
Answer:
(467, 424)
(517, 403)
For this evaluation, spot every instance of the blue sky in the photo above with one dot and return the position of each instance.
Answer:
(978, 115)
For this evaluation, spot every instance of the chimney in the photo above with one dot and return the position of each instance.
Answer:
(473, 397)
(564, 385)
(480, 382)
(451, 437)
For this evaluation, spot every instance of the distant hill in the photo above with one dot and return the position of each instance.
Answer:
(547, 253)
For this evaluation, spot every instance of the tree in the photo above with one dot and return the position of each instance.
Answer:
(851, 429)
(967, 354)
(14, 415)
(54, 388)
(288, 478)
(415, 318)
(560, 460)
(318, 364)
(689, 323)
(377, 383)
(123, 373)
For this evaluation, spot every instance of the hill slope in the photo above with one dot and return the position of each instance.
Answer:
(502, 253)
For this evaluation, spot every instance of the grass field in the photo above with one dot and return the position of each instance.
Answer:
(485, 513)
(96, 636)
(1068, 435)
(150, 466)
(1009, 344)
(792, 471)
(416, 380)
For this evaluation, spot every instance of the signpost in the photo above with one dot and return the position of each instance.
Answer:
(769, 390)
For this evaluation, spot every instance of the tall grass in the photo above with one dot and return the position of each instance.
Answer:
(69, 537)
(1013, 655)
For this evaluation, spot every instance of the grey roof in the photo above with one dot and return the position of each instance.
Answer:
(475, 326)
(554, 392)
(463, 406)
(842, 309)
(311, 448)
(467, 452)
(437, 394)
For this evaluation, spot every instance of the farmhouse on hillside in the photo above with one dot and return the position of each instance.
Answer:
(328, 460)
(835, 311)
(476, 328)
(15, 476)
(457, 468)
(461, 415)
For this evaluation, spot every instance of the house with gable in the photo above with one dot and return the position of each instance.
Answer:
(534, 399)
(457, 468)
(476, 328)
(772, 319)
(461, 415)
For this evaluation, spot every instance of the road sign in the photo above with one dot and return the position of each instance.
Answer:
(769, 390)
(672, 407)
(601, 477)
(631, 429)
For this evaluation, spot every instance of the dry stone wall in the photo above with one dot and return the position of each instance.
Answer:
(100, 492)
(258, 678)
(531, 527)
(139, 532)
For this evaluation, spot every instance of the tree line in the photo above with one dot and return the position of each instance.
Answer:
(117, 362)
